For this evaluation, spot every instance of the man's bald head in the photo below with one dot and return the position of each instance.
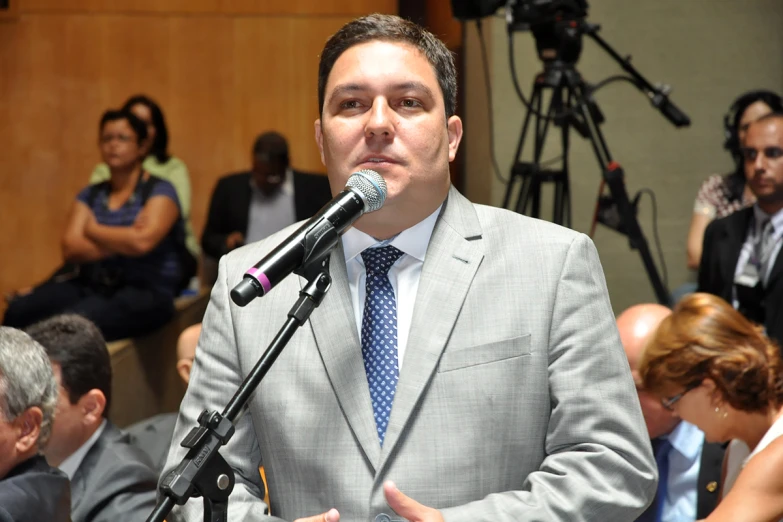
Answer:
(636, 325)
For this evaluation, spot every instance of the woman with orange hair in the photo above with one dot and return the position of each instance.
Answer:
(717, 370)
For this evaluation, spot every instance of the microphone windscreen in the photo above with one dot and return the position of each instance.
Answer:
(370, 186)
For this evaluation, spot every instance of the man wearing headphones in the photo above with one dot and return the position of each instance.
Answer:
(742, 261)
(249, 206)
(720, 195)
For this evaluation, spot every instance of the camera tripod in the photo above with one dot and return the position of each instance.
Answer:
(571, 106)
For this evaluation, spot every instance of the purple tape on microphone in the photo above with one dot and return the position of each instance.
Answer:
(261, 278)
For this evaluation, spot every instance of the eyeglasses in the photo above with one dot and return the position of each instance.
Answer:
(122, 138)
(669, 402)
(769, 152)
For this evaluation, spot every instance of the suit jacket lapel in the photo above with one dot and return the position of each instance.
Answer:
(777, 269)
(729, 250)
(451, 263)
(342, 357)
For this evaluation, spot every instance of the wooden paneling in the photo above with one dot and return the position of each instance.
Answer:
(211, 7)
(221, 79)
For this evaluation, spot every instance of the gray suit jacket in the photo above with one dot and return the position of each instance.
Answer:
(514, 402)
(114, 482)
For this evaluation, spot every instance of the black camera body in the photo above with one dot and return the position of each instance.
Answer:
(525, 12)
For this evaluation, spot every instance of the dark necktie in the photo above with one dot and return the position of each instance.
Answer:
(379, 333)
(661, 450)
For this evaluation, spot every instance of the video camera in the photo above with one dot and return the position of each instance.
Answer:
(556, 24)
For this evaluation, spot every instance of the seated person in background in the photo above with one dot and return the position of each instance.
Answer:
(30, 489)
(111, 480)
(741, 261)
(153, 435)
(125, 236)
(689, 469)
(717, 370)
(249, 206)
(158, 162)
(720, 195)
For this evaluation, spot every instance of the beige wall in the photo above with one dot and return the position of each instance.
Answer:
(222, 70)
(708, 50)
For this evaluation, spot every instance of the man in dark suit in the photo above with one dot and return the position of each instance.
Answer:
(111, 481)
(30, 489)
(741, 261)
(249, 206)
(689, 479)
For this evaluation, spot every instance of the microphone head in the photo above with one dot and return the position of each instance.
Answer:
(370, 186)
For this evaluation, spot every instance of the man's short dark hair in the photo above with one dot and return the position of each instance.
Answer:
(77, 346)
(391, 28)
(138, 126)
(271, 146)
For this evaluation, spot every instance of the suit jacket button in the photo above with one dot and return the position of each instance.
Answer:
(712, 486)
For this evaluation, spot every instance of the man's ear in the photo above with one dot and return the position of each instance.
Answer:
(28, 427)
(183, 367)
(319, 139)
(93, 404)
(454, 126)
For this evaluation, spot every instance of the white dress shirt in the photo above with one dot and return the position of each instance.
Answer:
(404, 274)
(683, 481)
(270, 214)
(72, 463)
(759, 216)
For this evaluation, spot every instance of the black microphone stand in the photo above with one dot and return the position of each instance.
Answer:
(203, 471)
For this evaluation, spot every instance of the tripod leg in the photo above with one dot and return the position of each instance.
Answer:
(535, 96)
(615, 178)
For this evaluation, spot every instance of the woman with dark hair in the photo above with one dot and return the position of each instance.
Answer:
(717, 370)
(158, 161)
(720, 195)
(123, 238)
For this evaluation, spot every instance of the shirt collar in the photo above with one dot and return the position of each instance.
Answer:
(74, 460)
(759, 216)
(687, 440)
(412, 241)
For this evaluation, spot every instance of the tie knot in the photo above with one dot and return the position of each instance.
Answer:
(378, 261)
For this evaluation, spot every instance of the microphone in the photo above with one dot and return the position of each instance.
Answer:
(364, 192)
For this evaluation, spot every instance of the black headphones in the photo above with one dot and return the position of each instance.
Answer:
(732, 118)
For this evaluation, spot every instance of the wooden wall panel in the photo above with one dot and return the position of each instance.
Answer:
(201, 7)
(221, 79)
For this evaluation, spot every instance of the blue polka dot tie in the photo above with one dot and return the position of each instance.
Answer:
(379, 333)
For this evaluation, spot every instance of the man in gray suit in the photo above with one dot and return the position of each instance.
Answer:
(480, 378)
(111, 481)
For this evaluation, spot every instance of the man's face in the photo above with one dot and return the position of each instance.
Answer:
(68, 426)
(658, 419)
(384, 110)
(268, 174)
(763, 153)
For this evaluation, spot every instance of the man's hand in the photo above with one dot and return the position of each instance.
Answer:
(408, 508)
(330, 516)
(236, 239)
